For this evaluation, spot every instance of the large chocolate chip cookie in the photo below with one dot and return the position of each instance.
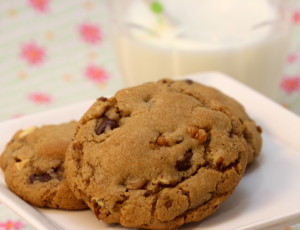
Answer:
(161, 154)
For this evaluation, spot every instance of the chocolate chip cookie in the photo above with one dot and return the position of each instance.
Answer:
(33, 166)
(161, 154)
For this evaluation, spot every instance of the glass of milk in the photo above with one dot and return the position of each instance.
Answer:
(246, 39)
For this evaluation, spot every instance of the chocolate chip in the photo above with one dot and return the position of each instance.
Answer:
(189, 81)
(178, 141)
(102, 99)
(77, 146)
(147, 98)
(168, 204)
(167, 81)
(259, 129)
(185, 163)
(96, 209)
(56, 169)
(106, 122)
(44, 177)
(147, 193)
(17, 160)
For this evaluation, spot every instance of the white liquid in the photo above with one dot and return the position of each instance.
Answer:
(226, 42)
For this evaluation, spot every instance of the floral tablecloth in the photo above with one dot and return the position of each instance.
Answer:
(54, 53)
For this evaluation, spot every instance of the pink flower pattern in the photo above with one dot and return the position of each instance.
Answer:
(96, 74)
(90, 33)
(290, 84)
(33, 53)
(292, 58)
(17, 115)
(40, 98)
(11, 225)
(39, 5)
(296, 17)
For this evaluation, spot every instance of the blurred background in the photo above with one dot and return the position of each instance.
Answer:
(55, 53)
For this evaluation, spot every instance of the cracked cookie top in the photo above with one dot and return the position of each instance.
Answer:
(161, 154)
(33, 166)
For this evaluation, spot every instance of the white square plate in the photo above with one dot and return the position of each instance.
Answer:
(268, 196)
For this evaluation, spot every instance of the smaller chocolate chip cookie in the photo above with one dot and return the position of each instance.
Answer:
(33, 166)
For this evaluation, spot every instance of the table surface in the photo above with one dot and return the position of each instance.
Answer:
(56, 53)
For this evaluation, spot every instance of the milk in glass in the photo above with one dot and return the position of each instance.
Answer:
(246, 39)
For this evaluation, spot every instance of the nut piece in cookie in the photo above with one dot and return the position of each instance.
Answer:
(33, 166)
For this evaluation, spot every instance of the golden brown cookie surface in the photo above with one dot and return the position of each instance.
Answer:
(159, 155)
(33, 166)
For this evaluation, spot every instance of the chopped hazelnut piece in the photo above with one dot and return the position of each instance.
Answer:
(161, 141)
(198, 134)
(192, 130)
(201, 135)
